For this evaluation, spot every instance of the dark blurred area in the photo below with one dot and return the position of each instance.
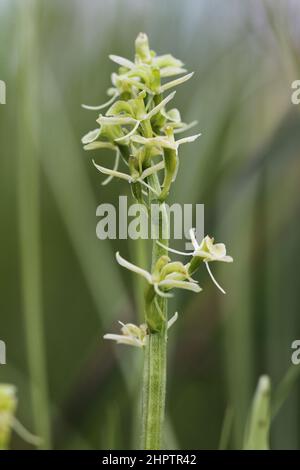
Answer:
(61, 288)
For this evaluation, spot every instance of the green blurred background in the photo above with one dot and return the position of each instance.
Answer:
(61, 289)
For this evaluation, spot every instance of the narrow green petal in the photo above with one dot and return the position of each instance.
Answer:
(132, 267)
(157, 108)
(122, 61)
(172, 320)
(90, 136)
(167, 60)
(186, 140)
(113, 173)
(126, 136)
(171, 71)
(180, 285)
(116, 165)
(99, 145)
(115, 120)
(184, 127)
(101, 106)
(176, 82)
(153, 169)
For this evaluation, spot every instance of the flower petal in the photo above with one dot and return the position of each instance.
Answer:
(193, 239)
(157, 108)
(160, 293)
(122, 339)
(213, 279)
(113, 173)
(97, 144)
(184, 127)
(101, 106)
(115, 120)
(188, 139)
(227, 259)
(176, 82)
(26, 435)
(172, 320)
(116, 165)
(167, 60)
(126, 136)
(132, 267)
(153, 169)
(218, 250)
(156, 141)
(171, 71)
(171, 284)
(91, 136)
(122, 61)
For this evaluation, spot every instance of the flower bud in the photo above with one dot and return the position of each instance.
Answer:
(142, 49)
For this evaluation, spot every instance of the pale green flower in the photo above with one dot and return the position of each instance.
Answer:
(165, 276)
(133, 335)
(207, 251)
(210, 251)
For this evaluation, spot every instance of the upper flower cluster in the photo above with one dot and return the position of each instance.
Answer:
(142, 131)
(137, 125)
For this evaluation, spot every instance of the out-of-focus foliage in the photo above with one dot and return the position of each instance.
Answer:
(245, 169)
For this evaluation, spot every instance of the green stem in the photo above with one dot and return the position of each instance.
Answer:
(141, 259)
(155, 367)
(154, 390)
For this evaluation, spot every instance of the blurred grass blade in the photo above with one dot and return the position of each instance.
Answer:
(237, 311)
(258, 426)
(284, 389)
(111, 430)
(29, 215)
(65, 170)
(226, 429)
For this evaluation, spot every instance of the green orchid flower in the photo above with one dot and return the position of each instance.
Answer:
(206, 252)
(165, 276)
(8, 421)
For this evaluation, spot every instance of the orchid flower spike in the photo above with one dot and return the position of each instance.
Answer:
(207, 250)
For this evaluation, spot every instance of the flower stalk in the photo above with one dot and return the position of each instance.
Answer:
(155, 354)
(141, 131)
